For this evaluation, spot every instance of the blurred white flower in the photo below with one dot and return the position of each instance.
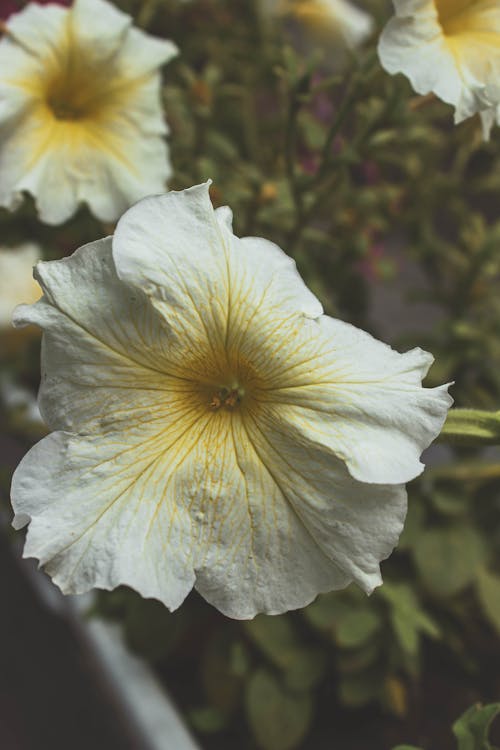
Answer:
(326, 19)
(213, 428)
(448, 47)
(80, 112)
(489, 118)
(16, 398)
(17, 284)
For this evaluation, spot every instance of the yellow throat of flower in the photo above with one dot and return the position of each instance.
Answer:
(458, 16)
(227, 398)
(73, 90)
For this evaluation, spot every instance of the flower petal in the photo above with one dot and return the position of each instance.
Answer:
(251, 551)
(103, 363)
(100, 515)
(202, 278)
(99, 28)
(345, 391)
(278, 523)
(38, 28)
(356, 525)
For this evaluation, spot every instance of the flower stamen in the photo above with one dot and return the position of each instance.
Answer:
(227, 397)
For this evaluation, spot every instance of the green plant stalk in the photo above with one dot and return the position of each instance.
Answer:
(472, 427)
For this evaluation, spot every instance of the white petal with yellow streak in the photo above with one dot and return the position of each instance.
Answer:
(101, 514)
(344, 391)
(251, 551)
(106, 352)
(206, 282)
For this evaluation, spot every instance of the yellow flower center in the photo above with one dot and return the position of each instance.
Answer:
(459, 16)
(227, 398)
(221, 382)
(75, 91)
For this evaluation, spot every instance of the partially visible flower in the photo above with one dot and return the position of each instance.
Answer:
(448, 47)
(21, 407)
(327, 20)
(8, 7)
(212, 427)
(80, 113)
(17, 285)
(489, 118)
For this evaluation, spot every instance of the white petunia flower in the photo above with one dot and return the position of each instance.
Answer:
(212, 427)
(17, 284)
(326, 18)
(80, 112)
(448, 47)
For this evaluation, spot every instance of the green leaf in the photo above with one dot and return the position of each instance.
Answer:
(407, 618)
(448, 558)
(449, 503)
(279, 719)
(359, 689)
(488, 590)
(208, 720)
(150, 628)
(355, 660)
(306, 669)
(413, 524)
(326, 610)
(275, 636)
(223, 669)
(356, 627)
(303, 666)
(472, 728)
(406, 747)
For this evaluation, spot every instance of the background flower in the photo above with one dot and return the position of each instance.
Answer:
(80, 113)
(326, 20)
(17, 285)
(449, 47)
(213, 427)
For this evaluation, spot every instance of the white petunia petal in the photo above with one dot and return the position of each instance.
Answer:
(115, 353)
(189, 263)
(252, 553)
(354, 524)
(38, 28)
(141, 54)
(281, 524)
(347, 392)
(122, 528)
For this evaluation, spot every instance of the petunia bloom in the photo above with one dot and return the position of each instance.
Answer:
(326, 19)
(448, 47)
(212, 427)
(17, 285)
(80, 112)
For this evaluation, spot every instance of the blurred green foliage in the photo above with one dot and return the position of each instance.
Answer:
(375, 193)
(472, 729)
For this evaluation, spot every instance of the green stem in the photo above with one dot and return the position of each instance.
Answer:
(472, 427)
